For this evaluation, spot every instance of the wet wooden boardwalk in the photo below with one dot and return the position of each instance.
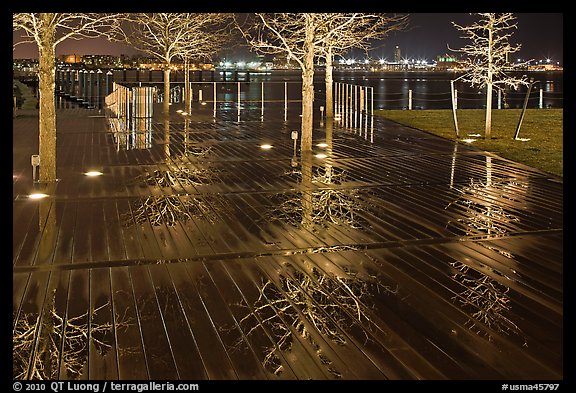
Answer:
(388, 253)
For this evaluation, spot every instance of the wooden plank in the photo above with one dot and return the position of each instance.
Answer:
(216, 362)
(243, 360)
(103, 364)
(24, 214)
(65, 242)
(257, 339)
(155, 343)
(76, 341)
(113, 231)
(182, 341)
(29, 243)
(130, 355)
(286, 351)
(27, 326)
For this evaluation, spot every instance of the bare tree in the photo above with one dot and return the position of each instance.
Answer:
(296, 36)
(344, 31)
(167, 36)
(47, 30)
(487, 56)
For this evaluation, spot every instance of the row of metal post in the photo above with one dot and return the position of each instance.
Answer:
(87, 87)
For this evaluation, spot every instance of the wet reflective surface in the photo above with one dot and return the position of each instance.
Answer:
(386, 253)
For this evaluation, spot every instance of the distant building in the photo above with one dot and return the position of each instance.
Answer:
(70, 59)
(397, 55)
(447, 62)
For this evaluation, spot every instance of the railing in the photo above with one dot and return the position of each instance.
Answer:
(129, 111)
(467, 100)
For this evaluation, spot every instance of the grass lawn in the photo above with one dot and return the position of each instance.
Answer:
(543, 128)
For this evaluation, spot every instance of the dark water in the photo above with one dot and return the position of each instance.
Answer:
(431, 90)
(391, 90)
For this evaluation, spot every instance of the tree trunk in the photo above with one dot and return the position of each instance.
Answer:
(187, 90)
(487, 132)
(166, 102)
(307, 89)
(47, 112)
(329, 86)
(488, 129)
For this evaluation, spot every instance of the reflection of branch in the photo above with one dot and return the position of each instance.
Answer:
(482, 213)
(178, 176)
(325, 303)
(170, 210)
(73, 351)
(485, 300)
(329, 205)
(190, 148)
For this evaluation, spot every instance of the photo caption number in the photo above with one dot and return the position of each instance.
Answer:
(35, 386)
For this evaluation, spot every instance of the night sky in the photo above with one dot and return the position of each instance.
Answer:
(540, 34)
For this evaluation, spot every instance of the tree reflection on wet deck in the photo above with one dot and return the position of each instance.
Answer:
(387, 253)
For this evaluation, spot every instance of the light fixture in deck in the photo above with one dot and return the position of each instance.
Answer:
(93, 173)
(266, 146)
(37, 195)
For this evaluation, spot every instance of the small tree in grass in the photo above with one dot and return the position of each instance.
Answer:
(487, 56)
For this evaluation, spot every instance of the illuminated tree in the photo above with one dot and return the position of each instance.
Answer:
(47, 30)
(344, 31)
(297, 36)
(167, 36)
(487, 56)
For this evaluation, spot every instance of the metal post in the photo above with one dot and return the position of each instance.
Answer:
(410, 99)
(372, 101)
(285, 97)
(262, 96)
(541, 101)
(356, 105)
(238, 98)
(499, 99)
(108, 84)
(454, 108)
(91, 94)
(98, 77)
(73, 82)
(524, 108)
(456, 99)
(214, 87)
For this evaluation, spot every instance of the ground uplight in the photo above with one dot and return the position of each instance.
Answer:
(93, 173)
(37, 195)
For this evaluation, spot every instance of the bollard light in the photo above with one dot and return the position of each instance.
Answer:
(35, 160)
